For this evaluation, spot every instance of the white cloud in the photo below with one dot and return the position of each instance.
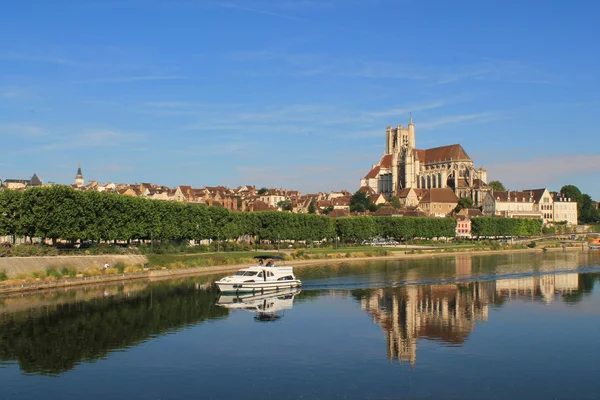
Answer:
(457, 119)
(129, 79)
(23, 130)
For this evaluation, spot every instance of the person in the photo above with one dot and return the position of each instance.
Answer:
(269, 263)
(260, 261)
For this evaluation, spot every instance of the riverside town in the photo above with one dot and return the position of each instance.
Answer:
(299, 199)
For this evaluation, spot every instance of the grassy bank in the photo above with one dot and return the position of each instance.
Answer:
(196, 262)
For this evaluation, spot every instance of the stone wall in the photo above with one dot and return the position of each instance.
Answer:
(13, 266)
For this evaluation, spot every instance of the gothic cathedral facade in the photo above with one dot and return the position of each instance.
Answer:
(403, 166)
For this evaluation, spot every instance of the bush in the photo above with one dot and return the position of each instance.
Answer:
(70, 272)
(120, 267)
(6, 250)
(28, 250)
(531, 245)
(3, 276)
(52, 272)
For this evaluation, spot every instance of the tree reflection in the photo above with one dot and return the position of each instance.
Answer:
(54, 339)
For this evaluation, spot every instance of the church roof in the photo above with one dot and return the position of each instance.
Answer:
(35, 181)
(386, 161)
(373, 173)
(453, 152)
(439, 195)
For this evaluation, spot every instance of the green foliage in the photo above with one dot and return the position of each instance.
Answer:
(585, 207)
(262, 191)
(360, 202)
(120, 266)
(3, 276)
(28, 250)
(312, 208)
(6, 250)
(285, 205)
(395, 202)
(464, 203)
(70, 272)
(492, 226)
(328, 209)
(52, 272)
(497, 186)
(404, 228)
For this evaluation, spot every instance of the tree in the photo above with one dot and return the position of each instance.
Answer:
(464, 202)
(312, 208)
(328, 209)
(285, 205)
(395, 202)
(262, 191)
(497, 186)
(360, 202)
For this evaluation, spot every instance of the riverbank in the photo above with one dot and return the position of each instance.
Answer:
(165, 274)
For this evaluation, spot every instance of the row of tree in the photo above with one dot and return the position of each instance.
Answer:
(493, 226)
(59, 212)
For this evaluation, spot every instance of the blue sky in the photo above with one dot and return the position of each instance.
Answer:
(296, 93)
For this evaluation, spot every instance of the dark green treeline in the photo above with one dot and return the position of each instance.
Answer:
(60, 212)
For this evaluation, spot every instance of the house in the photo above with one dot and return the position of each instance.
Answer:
(511, 204)
(410, 197)
(338, 213)
(565, 210)
(463, 225)
(377, 199)
(272, 197)
(438, 202)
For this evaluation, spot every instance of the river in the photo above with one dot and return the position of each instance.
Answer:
(460, 327)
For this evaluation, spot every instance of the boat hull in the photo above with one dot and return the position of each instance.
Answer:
(249, 287)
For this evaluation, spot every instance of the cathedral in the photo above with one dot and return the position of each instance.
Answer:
(404, 166)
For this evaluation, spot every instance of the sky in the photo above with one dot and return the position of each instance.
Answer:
(296, 94)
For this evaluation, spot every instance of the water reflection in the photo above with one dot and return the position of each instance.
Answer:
(55, 332)
(440, 300)
(447, 313)
(268, 307)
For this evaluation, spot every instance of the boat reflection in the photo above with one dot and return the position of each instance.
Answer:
(268, 307)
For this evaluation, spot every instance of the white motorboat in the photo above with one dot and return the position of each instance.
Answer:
(260, 278)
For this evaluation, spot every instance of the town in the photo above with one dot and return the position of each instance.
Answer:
(440, 182)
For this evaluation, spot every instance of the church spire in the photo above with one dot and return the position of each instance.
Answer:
(79, 181)
(410, 122)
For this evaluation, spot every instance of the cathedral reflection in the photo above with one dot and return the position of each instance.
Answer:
(447, 313)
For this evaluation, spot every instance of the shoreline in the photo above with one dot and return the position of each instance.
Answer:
(160, 275)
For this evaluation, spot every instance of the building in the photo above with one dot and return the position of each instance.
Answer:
(438, 202)
(463, 223)
(403, 166)
(532, 203)
(79, 181)
(565, 210)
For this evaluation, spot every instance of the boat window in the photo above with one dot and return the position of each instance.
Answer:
(260, 274)
(240, 273)
(250, 273)
(285, 278)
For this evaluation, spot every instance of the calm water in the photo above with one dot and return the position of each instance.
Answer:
(495, 327)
